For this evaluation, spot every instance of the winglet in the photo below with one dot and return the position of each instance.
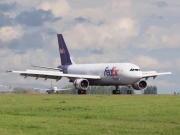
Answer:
(8, 71)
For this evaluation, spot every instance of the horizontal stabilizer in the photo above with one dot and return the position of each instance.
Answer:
(47, 67)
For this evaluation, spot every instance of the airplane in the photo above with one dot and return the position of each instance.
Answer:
(52, 90)
(4, 85)
(8, 88)
(100, 74)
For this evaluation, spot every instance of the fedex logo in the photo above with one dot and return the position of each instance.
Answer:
(111, 72)
(62, 51)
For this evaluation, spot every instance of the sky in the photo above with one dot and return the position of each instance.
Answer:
(145, 33)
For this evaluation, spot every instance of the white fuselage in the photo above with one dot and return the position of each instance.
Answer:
(110, 73)
(53, 88)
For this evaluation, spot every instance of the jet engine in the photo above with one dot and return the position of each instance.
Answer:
(81, 84)
(140, 85)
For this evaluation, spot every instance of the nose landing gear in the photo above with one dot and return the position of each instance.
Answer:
(129, 91)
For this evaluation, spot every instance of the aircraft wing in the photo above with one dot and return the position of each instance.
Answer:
(153, 74)
(52, 74)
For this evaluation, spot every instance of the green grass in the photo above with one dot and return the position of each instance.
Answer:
(89, 114)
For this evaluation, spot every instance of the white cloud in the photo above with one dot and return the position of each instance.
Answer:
(109, 37)
(9, 33)
(117, 6)
(117, 28)
(24, 2)
(23, 61)
(58, 7)
(149, 63)
(157, 37)
(128, 27)
(12, 61)
(145, 62)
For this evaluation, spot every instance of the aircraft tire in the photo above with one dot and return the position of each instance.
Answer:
(129, 92)
(84, 91)
(81, 91)
(116, 92)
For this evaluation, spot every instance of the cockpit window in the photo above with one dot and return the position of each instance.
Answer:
(132, 69)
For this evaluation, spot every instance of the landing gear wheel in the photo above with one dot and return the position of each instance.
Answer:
(113, 91)
(49, 92)
(129, 92)
(81, 91)
(116, 92)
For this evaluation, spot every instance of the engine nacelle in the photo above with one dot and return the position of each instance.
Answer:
(81, 84)
(140, 85)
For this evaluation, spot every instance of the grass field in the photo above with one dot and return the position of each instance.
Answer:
(89, 114)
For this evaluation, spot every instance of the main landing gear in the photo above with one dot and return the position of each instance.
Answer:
(129, 91)
(81, 91)
(116, 91)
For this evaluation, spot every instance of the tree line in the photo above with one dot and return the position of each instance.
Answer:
(150, 90)
(108, 90)
(90, 90)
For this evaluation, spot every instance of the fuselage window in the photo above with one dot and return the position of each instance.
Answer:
(134, 69)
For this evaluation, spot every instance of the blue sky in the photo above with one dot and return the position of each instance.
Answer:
(145, 33)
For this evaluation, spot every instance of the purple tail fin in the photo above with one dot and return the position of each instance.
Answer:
(64, 53)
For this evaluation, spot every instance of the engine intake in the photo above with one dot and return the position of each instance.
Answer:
(81, 84)
(140, 85)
